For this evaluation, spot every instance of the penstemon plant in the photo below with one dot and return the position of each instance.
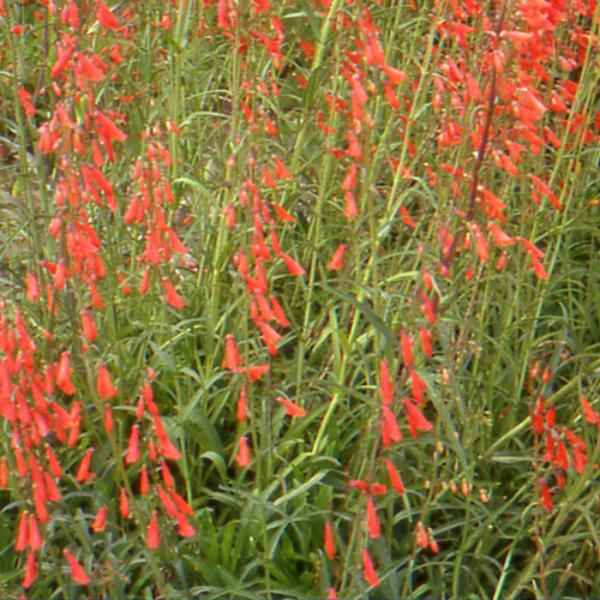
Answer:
(298, 299)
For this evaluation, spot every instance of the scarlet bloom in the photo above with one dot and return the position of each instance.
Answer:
(99, 523)
(283, 215)
(77, 572)
(394, 476)
(369, 572)
(30, 570)
(133, 450)
(153, 533)
(426, 340)
(350, 208)
(109, 423)
(63, 375)
(242, 408)
(256, 372)
(372, 520)
(106, 18)
(406, 342)
(243, 455)
(390, 425)
(124, 504)
(590, 415)
(232, 358)
(33, 292)
(22, 533)
(421, 536)
(25, 99)
(145, 282)
(293, 410)
(292, 265)
(337, 260)
(278, 313)
(500, 237)
(546, 496)
(106, 390)
(416, 420)
(3, 474)
(83, 473)
(144, 481)
(185, 529)
(418, 385)
(53, 463)
(171, 296)
(281, 171)
(107, 130)
(88, 326)
(329, 542)
(386, 389)
(35, 537)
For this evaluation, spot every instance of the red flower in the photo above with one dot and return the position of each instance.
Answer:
(278, 313)
(421, 536)
(88, 326)
(372, 520)
(337, 260)
(232, 358)
(22, 533)
(256, 372)
(25, 99)
(242, 409)
(153, 533)
(416, 420)
(281, 171)
(30, 570)
(35, 538)
(63, 375)
(590, 415)
(291, 409)
(394, 476)
(426, 340)
(500, 237)
(390, 426)
(99, 523)
(83, 473)
(133, 450)
(124, 504)
(329, 542)
(369, 572)
(546, 496)
(106, 390)
(386, 388)
(185, 529)
(293, 266)
(171, 296)
(106, 18)
(406, 342)
(243, 456)
(144, 481)
(77, 572)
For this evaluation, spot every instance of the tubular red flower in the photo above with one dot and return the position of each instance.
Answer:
(77, 572)
(372, 520)
(329, 543)
(133, 450)
(243, 456)
(369, 572)
(386, 388)
(337, 260)
(291, 409)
